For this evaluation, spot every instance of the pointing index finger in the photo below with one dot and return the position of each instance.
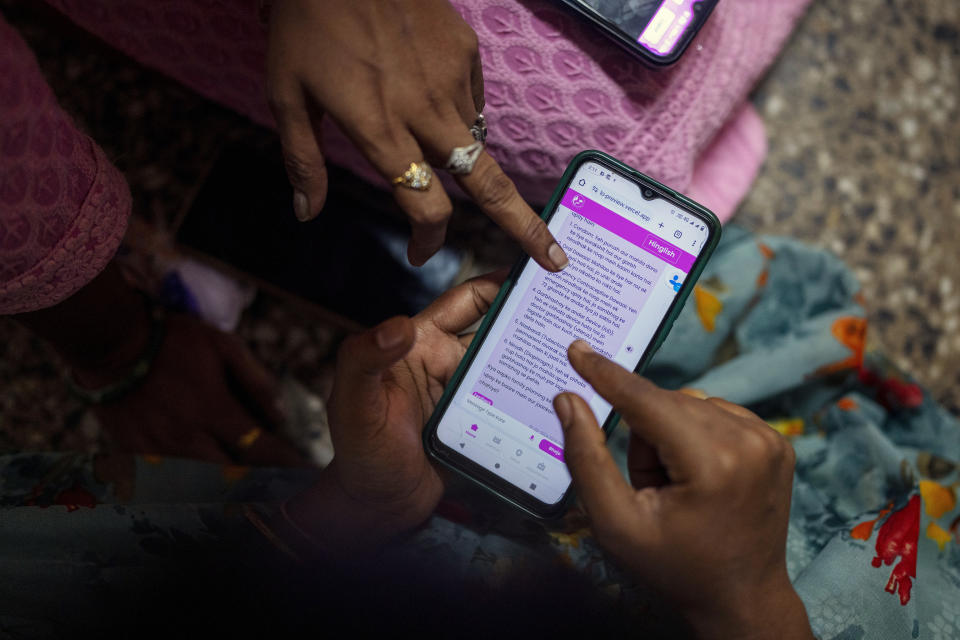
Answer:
(651, 412)
(498, 197)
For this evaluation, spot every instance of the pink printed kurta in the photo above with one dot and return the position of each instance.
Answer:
(553, 87)
(63, 206)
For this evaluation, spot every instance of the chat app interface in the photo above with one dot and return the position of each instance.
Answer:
(656, 25)
(628, 259)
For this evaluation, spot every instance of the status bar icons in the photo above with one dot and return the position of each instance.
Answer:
(693, 222)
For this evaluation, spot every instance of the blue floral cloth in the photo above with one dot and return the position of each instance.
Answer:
(873, 545)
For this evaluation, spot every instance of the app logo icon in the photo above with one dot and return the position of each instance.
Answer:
(675, 282)
(577, 201)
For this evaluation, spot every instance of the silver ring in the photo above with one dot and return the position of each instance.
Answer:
(479, 129)
(462, 159)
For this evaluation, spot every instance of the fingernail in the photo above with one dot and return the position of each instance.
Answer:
(581, 345)
(557, 256)
(389, 336)
(561, 404)
(301, 206)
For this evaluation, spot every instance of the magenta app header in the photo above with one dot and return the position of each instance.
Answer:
(632, 233)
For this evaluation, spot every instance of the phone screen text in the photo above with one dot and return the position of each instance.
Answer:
(628, 259)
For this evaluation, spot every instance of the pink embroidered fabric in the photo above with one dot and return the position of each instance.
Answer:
(63, 206)
(553, 87)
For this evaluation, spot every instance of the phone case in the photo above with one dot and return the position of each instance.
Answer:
(613, 32)
(663, 330)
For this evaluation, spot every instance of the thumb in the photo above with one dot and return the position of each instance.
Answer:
(361, 363)
(306, 168)
(602, 488)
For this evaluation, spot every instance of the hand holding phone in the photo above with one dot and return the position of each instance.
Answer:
(636, 248)
(388, 379)
(705, 522)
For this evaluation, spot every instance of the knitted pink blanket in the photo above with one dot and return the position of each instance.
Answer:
(553, 86)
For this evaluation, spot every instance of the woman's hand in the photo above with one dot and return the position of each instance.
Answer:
(403, 80)
(706, 520)
(388, 382)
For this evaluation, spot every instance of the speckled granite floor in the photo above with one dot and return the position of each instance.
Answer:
(863, 120)
(863, 117)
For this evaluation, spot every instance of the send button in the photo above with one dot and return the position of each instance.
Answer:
(552, 449)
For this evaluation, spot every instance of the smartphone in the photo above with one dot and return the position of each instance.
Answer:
(636, 249)
(656, 31)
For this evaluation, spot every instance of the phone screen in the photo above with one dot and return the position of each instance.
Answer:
(656, 25)
(629, 257)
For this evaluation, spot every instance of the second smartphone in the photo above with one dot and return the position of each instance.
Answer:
(636, 249)
(656, 31)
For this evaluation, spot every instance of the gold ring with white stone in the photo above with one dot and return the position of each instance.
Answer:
(417, 177)
(462, 159)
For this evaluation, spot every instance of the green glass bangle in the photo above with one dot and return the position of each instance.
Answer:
(138, 371)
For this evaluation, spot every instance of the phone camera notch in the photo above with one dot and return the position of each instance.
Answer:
(648, 193)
